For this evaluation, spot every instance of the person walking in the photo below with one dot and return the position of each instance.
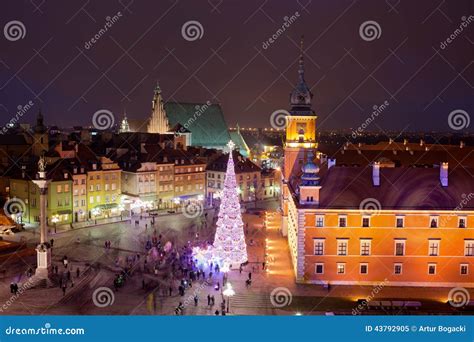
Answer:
(208, 300)
(64, 289)
(250, 275)
(78, 272)
(196, 299)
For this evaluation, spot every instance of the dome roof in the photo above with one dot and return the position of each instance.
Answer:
(310, 168)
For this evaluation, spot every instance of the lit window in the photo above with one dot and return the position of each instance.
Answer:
(365, 247)
(319, 247)
(342, 247)
(319, 269)
(464, 269)
(397, 269)
(433, 247)
(469, 247)
(341, 268)
(432, 269)
(400, 222)
(364, 268)
(399, 247)
(342, 221)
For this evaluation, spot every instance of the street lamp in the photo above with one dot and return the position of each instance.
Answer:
(228, 292)
(55, 220)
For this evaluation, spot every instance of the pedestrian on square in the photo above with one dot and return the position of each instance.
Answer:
(240, 269)
(213, 300)
(68, 275)
(263, 265)
(196, 299)
(51, 242)
(217, 312)
(64, 289)
(78, 272)
(171, 291)
(143, 284)
(61, 282)
(12, 287)
(208, 299)
(250, 275)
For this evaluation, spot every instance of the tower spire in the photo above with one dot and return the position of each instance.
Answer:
(301, 62)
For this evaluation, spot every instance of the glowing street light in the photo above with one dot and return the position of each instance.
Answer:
(228, 293)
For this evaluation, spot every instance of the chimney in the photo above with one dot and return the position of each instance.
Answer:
(461, 144)
(443, 174)
(422, 142)
(405, 141)
(390, 141)
(331, 162)
(376, 173)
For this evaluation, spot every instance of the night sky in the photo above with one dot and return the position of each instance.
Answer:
(348, 75)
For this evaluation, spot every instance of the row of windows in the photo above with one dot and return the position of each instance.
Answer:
(397, 268)
(106, 177)
(107, 187)
(107, 199)
(399, 221)
(181, 178)
(189, 169)
(365, 247)
(189, 187)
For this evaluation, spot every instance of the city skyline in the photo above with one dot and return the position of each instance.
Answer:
(247, 74)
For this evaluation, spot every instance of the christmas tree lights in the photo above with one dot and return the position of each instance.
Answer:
(229, 241)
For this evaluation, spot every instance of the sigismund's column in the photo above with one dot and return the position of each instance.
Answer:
(43, 250)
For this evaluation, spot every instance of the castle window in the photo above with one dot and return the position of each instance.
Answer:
(319, 221)
(434, 221)
(342, 247)
(399, 247)
(366, 221)
(433, 247)
(342, 221)
(365, 246)
(319, 268)
(400, 221)
(431, 269)
(364, 268)
(468, 247)
(397, 268)
(341, 268)
(464, 269)
(462, 222)
(318, 246)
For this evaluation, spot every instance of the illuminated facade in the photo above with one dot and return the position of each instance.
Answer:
(361, 225)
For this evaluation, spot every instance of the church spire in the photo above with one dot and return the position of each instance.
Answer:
(301, 96)
(301, 62)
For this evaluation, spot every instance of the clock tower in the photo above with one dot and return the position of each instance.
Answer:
(300, 145)
(300, 125)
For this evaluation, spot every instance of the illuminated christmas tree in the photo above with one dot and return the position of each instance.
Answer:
(229, 243)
